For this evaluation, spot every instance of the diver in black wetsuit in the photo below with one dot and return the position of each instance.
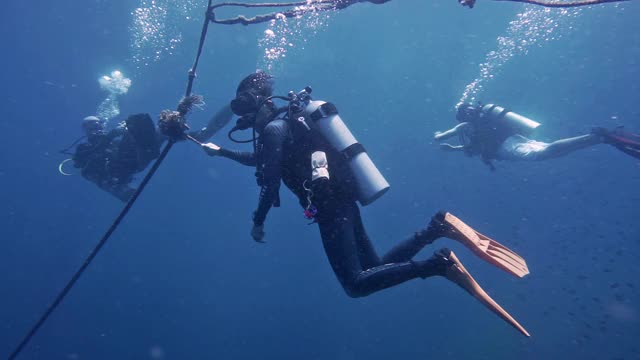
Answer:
(282, 156)
(320, 176)
(111, 158)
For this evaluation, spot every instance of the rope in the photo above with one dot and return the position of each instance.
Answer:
(564, 5)
(34, 329)
(257, 5)
(93, 253)
(203, 36)
(307, 7)
(303, 7)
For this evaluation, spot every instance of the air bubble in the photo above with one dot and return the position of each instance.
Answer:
(531, 27)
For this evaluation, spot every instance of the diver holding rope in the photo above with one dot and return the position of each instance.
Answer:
(457, 230)
(111, 158)
(306, 145)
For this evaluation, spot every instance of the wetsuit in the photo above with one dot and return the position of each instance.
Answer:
(493, 140)
(281, 155)
(110, 160)
(484, 137)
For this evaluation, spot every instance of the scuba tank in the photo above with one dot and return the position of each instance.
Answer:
(322, 117)
(517, 123)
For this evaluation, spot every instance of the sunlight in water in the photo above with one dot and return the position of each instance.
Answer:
(533, 26)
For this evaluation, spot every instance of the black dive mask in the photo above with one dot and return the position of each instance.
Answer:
(256, 120)
(245, 103)
(467, 113)
(94, 128)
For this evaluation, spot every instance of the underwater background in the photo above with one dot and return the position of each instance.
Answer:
(182, 278)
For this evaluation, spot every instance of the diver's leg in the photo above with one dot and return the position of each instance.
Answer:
(120, 191)
(124, 193)
(366, 252)
(338, 234)
(411, 246)
(219, 120)
(563, 147)
(403, 251)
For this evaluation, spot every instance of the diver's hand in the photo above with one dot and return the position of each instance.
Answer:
(449, 147)
(211, 149)
(437, 135)
(257, 233)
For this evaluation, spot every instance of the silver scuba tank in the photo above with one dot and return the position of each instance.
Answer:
(516, 122)
(323, 117)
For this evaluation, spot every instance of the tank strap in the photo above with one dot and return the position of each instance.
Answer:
(353, 150)
(501, 114)
(324, 110)
(493, 106)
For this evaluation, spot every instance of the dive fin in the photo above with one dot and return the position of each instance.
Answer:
(145, 138)
(483, 246)
(624, 141)
(141, 127)
(457, 273)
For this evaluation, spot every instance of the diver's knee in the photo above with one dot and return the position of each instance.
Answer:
(354, 290)
(354, 293)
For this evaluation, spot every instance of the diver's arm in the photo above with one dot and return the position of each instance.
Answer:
(449, 147)
(274, 136)
(450, 133)
(114, 133)
(243, 157)
(82, 155)
(219, 120)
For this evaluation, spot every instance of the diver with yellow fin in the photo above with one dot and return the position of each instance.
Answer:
(495, 133)
(306, 145)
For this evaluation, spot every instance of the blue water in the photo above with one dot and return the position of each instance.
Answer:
(182, 279)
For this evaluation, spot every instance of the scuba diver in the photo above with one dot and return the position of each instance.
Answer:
(110, 159)
(495, 133)
(306, 145)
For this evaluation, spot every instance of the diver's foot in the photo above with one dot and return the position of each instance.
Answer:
(625, 141)
(437, 227)
(449, 266)
(467, 3)
(436, 265)
(602, 133)
(454, 270)
(445, 224)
